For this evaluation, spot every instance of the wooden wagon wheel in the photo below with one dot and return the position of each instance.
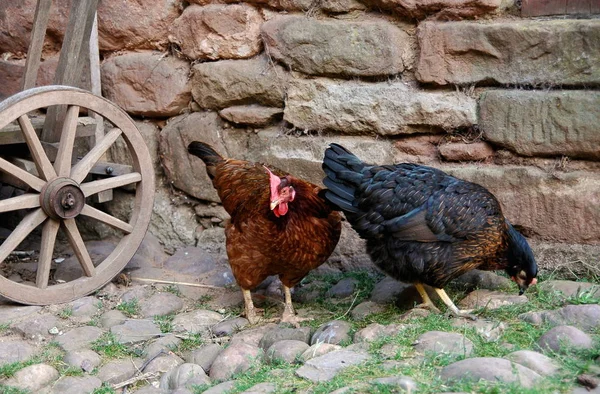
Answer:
(58, 194)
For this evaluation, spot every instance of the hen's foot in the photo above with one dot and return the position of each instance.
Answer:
(429, 306)
(252, 313)
(464, 313)
(453, 309)
(293, 319)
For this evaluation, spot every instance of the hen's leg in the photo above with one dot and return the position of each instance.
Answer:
(289, 314)
(457, 312)
(249, 306)
(427, 303)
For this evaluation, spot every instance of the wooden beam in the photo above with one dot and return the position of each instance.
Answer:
(68, 72)
(34, 53)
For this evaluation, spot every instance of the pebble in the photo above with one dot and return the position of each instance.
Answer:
(184, 376)
(33, 377)
(14, 314)
(490, 331)
(288, 351)
(75, 385)
(85, 306)
(491, 300)
(229, 326)
(344, 288)
(134, 331)
(79, 338)
(119, 370)
(569, 288)
(164, 344)
(204, 356)
(333, 332)
(261, 388)
(562, 338)
(387, 290)
(15, 351)
(279, 334)
(433, 343)
(163, 363)
(161, 304)
(327, 366)
(237, 358)
(376, 331)
(86, 359)
(221, 388)
(318, 349)
(112, 318)
(38, 327)
(199, 321)
(478, 279)
(491, 369)
(364, 309)
(586, 317)
(535, 361)
(403, 383)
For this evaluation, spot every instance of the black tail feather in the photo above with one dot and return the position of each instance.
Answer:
(208, 155)
(343, 176)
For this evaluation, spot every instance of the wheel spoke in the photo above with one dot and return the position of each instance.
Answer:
(62, 165)
(101, 185)
(49, 232)
(81, 169)
(79, 248)
(106, 219)
(42, 162)
(27, 225)
(31, 180)
(25, 201)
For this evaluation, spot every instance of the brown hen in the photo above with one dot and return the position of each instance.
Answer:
(280, 225)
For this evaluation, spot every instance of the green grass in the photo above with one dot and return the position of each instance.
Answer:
(129, 308)
(173, 289)
(66, 312)
(517, 335)
(108, 346)
(165, 323)
(193, 341)
(104, 389)
(11, 390)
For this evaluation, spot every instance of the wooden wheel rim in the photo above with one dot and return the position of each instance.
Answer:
(29, 100)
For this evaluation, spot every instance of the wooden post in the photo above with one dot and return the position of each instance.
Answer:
(34, 53)
(74, 48)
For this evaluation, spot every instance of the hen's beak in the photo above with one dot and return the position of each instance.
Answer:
(274, 204)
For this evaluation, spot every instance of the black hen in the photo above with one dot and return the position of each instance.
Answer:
(425, 226)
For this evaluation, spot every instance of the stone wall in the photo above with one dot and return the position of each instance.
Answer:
(504, 93)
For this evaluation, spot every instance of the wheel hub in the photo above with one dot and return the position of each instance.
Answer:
(62, 198)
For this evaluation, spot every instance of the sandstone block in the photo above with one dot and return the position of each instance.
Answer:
(462, 151)
(555, 208)
(216, 85)
(382, 108)
(187, 172)
(147, 83)
(16, 21)
(555, 52)
(536, 123)
(218, 31)
(559, 7)
(140, 24)
(331, 47)
(442, 9)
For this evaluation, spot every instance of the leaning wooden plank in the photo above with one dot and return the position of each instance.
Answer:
(68, 71)
(34, 53)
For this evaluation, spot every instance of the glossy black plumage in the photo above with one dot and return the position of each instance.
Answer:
(421, 224)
